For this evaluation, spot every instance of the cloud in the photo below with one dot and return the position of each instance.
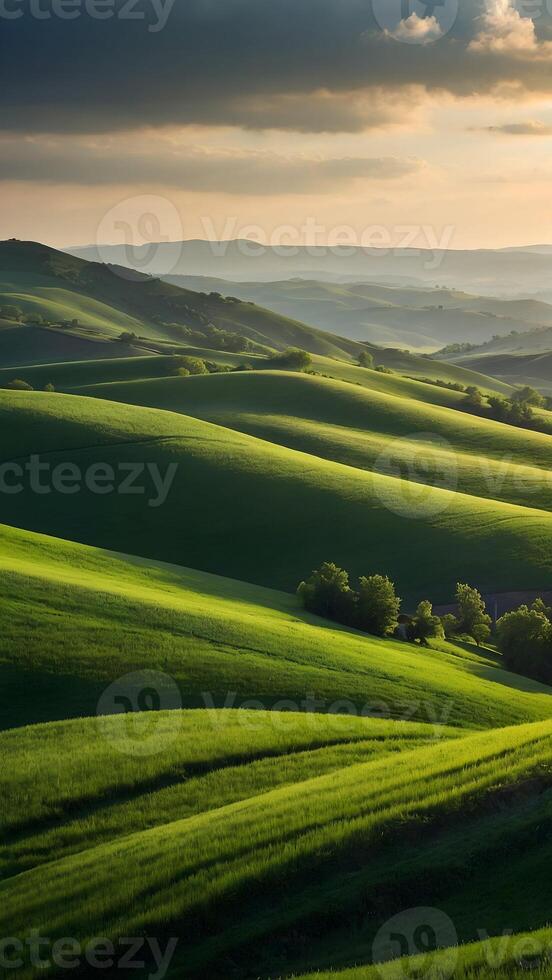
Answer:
(303, 65)
(505, 31)
(190, 168)
(530, 128)
(418, 30)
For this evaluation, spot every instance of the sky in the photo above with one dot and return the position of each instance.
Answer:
(288, 121)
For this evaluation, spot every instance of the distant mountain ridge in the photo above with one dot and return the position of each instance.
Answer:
(485, 271)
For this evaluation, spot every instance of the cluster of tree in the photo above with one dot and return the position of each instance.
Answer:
(440, 383)
(374, 607)
(511, 410)
(210, 336)
(292, 359)
(17, 384)
(516, 410)
(524, 638)
(184, 365)
(11, 313)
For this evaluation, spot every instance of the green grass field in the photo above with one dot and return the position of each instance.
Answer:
(354, 426)
(212, 874)
(192, 755)
(89, 617)
(255, 511)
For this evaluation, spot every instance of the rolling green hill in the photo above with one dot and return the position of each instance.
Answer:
(42, 281)
(520, 369)
(252, 510)
(193, 758)
(210, 877)
(75, 618)
(383, 429)
(419, 318)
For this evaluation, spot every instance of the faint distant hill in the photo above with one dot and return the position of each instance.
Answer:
(485, 271)
(416, 317)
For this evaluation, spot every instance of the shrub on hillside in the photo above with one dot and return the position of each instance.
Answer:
(18, 385)
(366, 360)
(474, 398)
(292, 359)
(191, 365)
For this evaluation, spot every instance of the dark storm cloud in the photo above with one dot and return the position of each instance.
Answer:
(72, 162)
(309, 65)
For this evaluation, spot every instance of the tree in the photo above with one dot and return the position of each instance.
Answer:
(377, 605)
(511, 412)
(18, 385)
(424, 625)
(528, 396)
(126, 337)
(471, 612)
(327, 593)
(292, 359)
(449, 624)
(473, 398)
(49, 387)
(366, 360)
(524, 638)
(193, 365)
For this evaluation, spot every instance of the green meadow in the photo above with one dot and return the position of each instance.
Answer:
(193, 757)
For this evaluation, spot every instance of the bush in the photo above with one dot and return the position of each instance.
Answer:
(327, 593)
(126, 337)
(49, 387)
(18, 385)
(424, 625)
(292, 359)
(192, 365)
(10, 313)
(473, 398)
(366, 360)
(377, 605)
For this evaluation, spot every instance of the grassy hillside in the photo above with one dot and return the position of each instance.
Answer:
(325, 842)
(57, 286)
(520, 369)
(75, 618)
(419, 318)
(70, 787)
(355, 426)
(252, 510)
